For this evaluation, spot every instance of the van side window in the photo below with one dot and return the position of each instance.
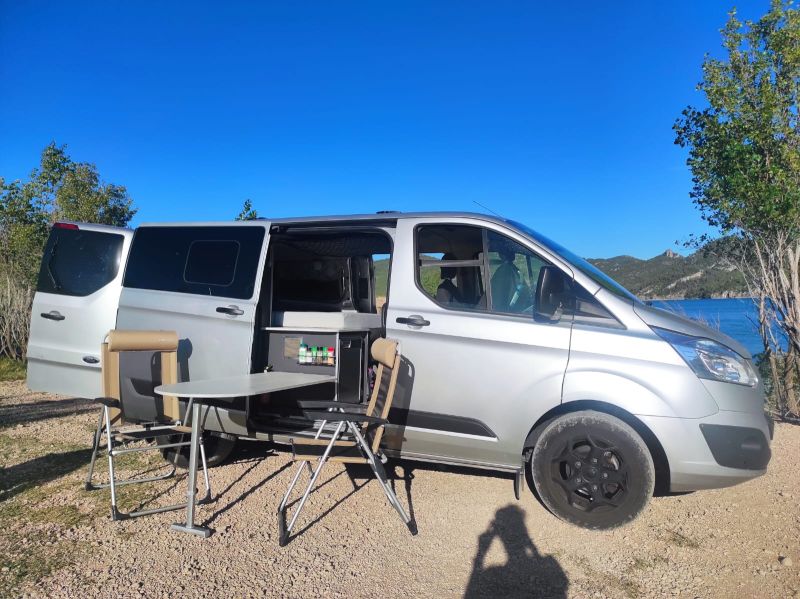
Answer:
(77, 262)
(454, 272)
(514, 278)
(585, 308)
(215, 261)
(450, 265)
(513, 275)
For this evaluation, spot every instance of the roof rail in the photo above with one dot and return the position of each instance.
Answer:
(388, 212)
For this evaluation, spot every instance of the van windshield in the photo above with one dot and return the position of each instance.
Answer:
(591, 271)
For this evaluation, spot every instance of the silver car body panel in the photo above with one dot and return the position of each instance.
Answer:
(446, 366)
(664, 319)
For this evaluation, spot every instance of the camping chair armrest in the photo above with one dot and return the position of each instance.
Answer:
(343, 417)
(109, 402)
(324, 404)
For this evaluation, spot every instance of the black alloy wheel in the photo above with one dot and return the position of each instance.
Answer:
(593, 470)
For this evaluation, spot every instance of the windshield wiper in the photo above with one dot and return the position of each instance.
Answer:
(56, 285)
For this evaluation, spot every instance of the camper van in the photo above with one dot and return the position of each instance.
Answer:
(517, 355)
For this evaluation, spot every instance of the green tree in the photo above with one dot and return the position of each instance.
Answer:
(59, 189)
(247, 212)
(23, 230)
(744, 155)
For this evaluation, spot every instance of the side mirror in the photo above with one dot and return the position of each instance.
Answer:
(551, 289)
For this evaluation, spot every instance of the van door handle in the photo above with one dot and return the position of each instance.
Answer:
(230, 310)
(415, 320)
(53, 315)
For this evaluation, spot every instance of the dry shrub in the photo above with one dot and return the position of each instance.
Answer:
(15, 311)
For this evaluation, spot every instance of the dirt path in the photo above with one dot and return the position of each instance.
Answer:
(475, 540)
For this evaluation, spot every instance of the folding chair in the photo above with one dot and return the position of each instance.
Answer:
(159, 419)
(356, 438)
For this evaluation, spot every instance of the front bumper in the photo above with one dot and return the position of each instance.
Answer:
(737, 446)
(693, 466)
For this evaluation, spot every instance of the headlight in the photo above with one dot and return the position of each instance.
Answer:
(709, 359)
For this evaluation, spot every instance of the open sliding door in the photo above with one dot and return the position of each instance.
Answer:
(202, 281)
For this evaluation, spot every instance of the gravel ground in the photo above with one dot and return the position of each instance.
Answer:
(475, 540)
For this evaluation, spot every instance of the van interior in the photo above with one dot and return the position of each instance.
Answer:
(320, 309)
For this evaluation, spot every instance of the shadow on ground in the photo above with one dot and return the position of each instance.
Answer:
(246, 452)
(12, 414)
(525, 573)
(38, 471)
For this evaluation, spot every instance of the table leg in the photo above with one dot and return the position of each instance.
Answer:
(191, 493)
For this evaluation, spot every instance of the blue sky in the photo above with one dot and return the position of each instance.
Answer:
(555, 114)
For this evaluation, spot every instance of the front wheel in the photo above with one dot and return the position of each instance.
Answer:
(218, 447)
(593, 470)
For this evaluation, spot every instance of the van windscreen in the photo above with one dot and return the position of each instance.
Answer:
(78, 262)
(215, 261)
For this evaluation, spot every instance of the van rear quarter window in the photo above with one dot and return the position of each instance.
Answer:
(214, 261)
(78, 262)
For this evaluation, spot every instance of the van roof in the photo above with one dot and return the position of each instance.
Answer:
(378, 217)
(388, 215)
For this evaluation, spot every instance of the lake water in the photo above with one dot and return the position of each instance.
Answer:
(734, 317)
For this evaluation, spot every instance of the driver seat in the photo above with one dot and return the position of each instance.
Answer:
(505, 285)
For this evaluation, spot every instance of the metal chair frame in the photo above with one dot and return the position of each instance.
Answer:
(347, 422)
(117, 438)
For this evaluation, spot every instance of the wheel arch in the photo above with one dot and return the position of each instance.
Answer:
(659, 456)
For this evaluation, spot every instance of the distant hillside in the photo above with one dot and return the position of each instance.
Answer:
(667, 276)
(670, 275)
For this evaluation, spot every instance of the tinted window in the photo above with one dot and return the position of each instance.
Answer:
(450, 265)
(78, 262)
(212, 262)
(585, 308)
(216, 261)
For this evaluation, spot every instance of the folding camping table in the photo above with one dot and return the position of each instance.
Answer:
(226, 388)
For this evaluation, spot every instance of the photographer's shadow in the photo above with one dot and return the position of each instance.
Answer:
(526, 572)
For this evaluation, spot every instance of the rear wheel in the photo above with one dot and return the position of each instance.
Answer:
(218, 447)
(593, 470)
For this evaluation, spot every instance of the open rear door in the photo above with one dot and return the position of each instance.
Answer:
(75, 306)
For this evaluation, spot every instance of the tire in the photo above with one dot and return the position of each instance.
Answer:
(592, 470)
(218, 446)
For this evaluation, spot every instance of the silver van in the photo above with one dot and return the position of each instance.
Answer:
(518, 356)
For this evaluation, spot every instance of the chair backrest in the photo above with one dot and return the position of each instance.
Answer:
(386, 353)
(163, 344)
